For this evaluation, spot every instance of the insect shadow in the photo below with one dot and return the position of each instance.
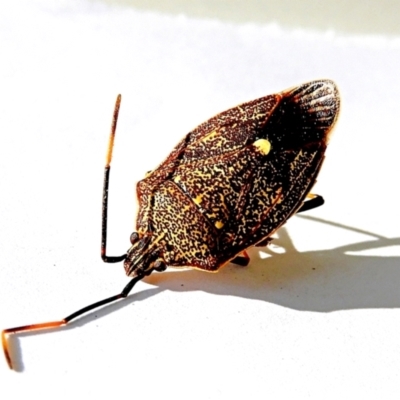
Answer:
(320, 281)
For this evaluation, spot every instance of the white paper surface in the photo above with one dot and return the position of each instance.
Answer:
(316, 315)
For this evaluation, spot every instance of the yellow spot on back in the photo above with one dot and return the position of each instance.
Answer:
(219, 224)
(197, 200)
(263, 146)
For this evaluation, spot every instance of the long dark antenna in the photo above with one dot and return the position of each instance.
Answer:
(104, 214)
(127, 288)
(64, 321)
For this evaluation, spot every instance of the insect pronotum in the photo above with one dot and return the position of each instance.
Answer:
(228, 185)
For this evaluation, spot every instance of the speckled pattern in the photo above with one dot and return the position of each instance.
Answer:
(234, 180)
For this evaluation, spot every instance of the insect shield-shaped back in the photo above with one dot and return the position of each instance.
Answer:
(233, 181)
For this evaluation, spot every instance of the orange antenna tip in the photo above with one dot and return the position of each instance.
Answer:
(5, 348)
(113, 129)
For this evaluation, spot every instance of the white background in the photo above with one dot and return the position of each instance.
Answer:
(315, 315)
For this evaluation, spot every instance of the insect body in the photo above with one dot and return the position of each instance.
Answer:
(233, 181)
(228, 185)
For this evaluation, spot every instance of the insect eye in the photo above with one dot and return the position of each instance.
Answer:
(160, 266)
(169, 247)
(134, 237)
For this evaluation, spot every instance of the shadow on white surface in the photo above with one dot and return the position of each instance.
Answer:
(318, 281)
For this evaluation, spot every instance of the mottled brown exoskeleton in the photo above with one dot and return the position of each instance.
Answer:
(228, 185)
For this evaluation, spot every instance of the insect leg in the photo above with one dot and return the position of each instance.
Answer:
(104, 214)
(315, 201)
(55, 324)
(242, 260)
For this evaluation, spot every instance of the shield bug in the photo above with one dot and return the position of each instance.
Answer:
(228, 185)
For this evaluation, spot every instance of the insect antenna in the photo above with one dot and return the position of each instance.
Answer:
(104, 213)
(64, 321)
(112, 259)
